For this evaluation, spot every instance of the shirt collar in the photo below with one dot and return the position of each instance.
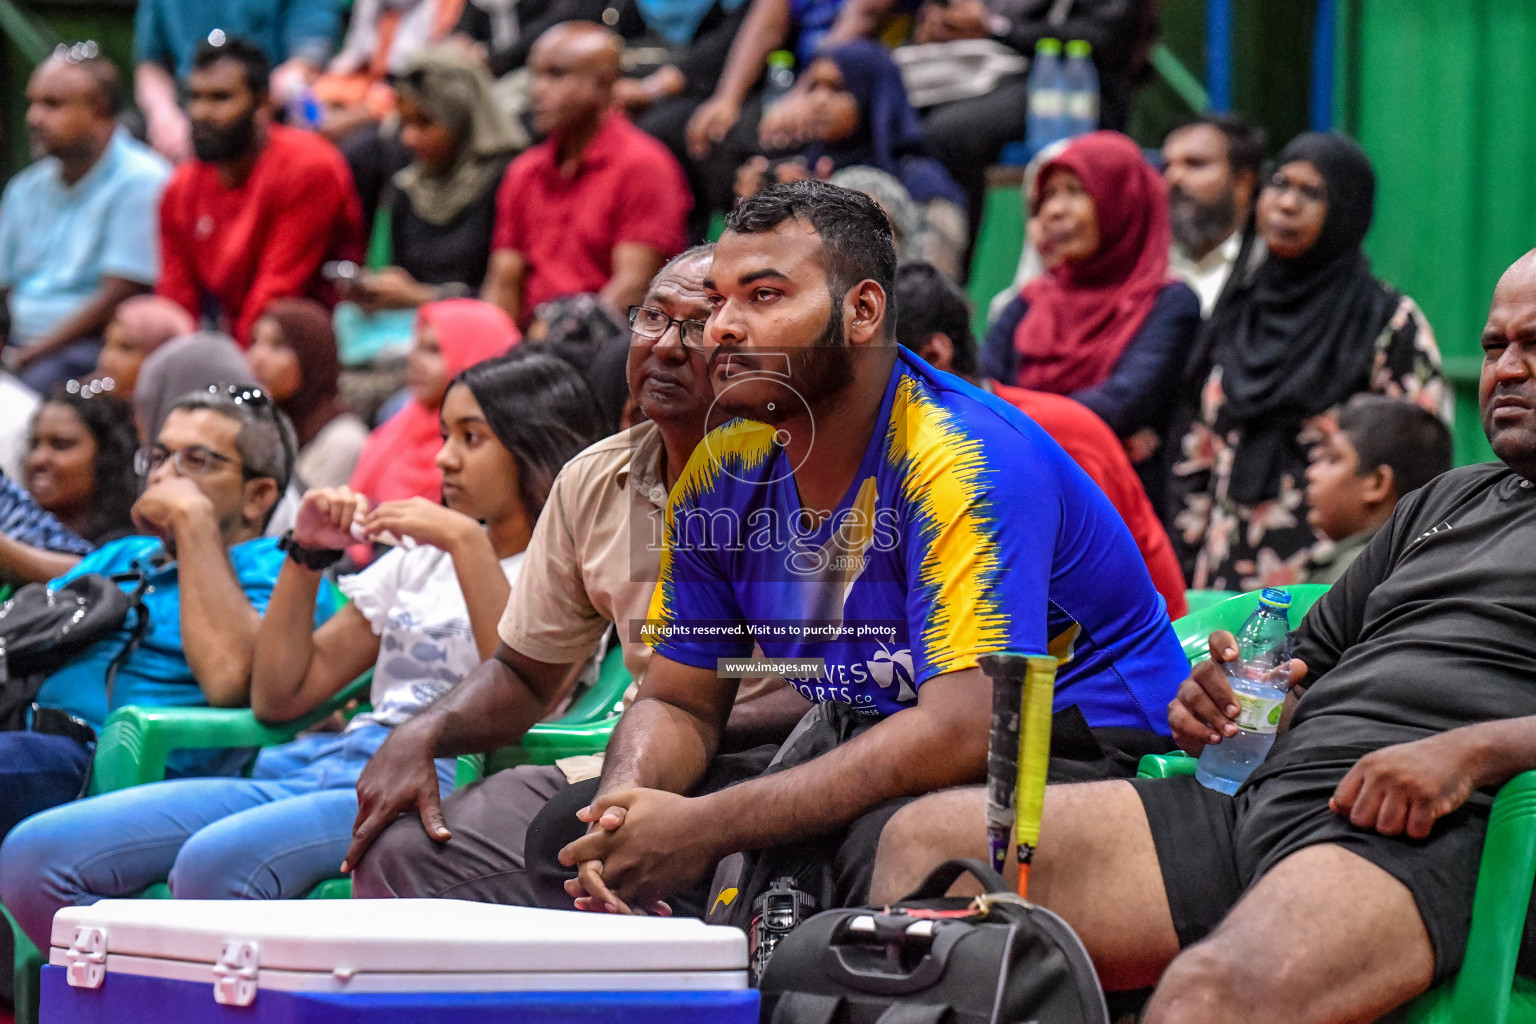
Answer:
(643, 470)
(100, 169)
(1224, 253)
(601, 148)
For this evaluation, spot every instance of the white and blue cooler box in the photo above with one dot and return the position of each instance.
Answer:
(387, 962)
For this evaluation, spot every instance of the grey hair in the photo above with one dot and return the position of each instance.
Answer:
(705, 249)
(267, 444)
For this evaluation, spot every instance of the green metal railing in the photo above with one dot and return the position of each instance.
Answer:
(35, 41)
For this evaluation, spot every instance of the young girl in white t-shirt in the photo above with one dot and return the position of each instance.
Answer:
(422, 616)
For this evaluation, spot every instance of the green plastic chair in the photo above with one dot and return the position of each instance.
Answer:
(1486, 991)
(583, 729)
(132, 750)
(135, 741)
(1199, 600)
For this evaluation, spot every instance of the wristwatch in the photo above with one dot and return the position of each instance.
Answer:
(314, 559)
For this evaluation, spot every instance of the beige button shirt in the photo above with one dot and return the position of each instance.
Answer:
(595, 554)
(594, 558)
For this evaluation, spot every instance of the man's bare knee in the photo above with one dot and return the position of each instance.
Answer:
(1324, 937)
(1208, 984)
(924, 834)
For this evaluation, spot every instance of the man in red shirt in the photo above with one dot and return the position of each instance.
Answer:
(932, 320)
(599, 205)
(258, 211)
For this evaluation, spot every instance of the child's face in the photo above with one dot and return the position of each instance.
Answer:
(1336, 490)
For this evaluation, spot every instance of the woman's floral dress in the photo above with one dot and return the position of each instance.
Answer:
(1223, 545)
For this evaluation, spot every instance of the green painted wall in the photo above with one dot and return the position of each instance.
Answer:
(110, 24)
(1441, 96)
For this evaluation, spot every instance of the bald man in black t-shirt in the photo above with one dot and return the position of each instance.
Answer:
(1338, 882)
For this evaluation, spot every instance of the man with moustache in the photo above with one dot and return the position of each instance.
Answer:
(76, 227)
(885, 522)
(1338, 882)
(1212, 168)
(599, 205)
(212, 478)
(260, 209)
(593, 560)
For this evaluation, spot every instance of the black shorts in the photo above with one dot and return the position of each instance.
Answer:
(1211, 847)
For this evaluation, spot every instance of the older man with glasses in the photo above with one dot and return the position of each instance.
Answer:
(204, 573)
(594, 559)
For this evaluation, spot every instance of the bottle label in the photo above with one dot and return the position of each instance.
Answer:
(1046, 103)
(1259, 714)
(1083, 106)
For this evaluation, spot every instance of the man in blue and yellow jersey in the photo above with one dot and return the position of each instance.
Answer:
(877, 526)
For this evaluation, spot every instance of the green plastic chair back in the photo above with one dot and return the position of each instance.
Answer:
(1194, 630)
(583, 729)
(1199, 600)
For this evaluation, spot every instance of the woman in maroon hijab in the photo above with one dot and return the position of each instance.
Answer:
(1105, 324)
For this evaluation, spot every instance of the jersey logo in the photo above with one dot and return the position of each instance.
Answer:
(1063, 646)
(888, 667)
(1443, 527)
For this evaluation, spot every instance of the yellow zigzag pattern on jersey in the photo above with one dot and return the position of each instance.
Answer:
(738, 448)
(941, 468)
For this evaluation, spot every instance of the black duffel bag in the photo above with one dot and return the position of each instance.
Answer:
(42, 627)
(932, 959)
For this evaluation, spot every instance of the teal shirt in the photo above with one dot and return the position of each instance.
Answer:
(168, 32)
(58, 241)
(157, 673)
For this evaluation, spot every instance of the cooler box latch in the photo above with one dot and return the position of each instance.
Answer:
(87, 957)
(235, 974)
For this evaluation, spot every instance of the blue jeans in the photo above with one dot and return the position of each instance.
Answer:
(37, 771)
(75, 360)
(272, 836)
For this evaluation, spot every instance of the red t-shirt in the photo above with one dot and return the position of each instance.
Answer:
(230, 251)
(1095, 448)
(628, 188)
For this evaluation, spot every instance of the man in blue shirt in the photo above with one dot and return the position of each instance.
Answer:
(887, 520)
(213, 478)
(79, 228)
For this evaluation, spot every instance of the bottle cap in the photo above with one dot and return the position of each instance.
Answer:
(781, 59)
(1275, 598)
(1048, 47)
(1079, 48)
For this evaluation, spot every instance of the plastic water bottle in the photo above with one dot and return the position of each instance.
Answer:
(1260, 679)
(1046, 120)
(1080, 85)
(780, 77)
(304, 110)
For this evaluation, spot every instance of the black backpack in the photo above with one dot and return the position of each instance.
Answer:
(42, 627)
(932, 959)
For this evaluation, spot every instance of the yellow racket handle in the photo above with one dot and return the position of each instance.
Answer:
(1034, 750)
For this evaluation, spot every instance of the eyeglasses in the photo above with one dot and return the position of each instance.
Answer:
(193, 460)
(76, 53)
(654, 324)
(1313, 194)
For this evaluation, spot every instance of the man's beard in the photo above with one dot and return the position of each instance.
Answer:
(818, 371)
(213, 145)
(1199, 227)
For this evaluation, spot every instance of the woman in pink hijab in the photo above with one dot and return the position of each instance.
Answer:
(399, 459)
(140, 325)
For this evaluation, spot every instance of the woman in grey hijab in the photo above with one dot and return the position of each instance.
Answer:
(181, 366)
(442, 205)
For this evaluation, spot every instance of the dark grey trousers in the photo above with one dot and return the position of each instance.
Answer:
(483, 861)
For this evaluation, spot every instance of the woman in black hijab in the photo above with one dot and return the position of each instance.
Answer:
(1307, 329)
